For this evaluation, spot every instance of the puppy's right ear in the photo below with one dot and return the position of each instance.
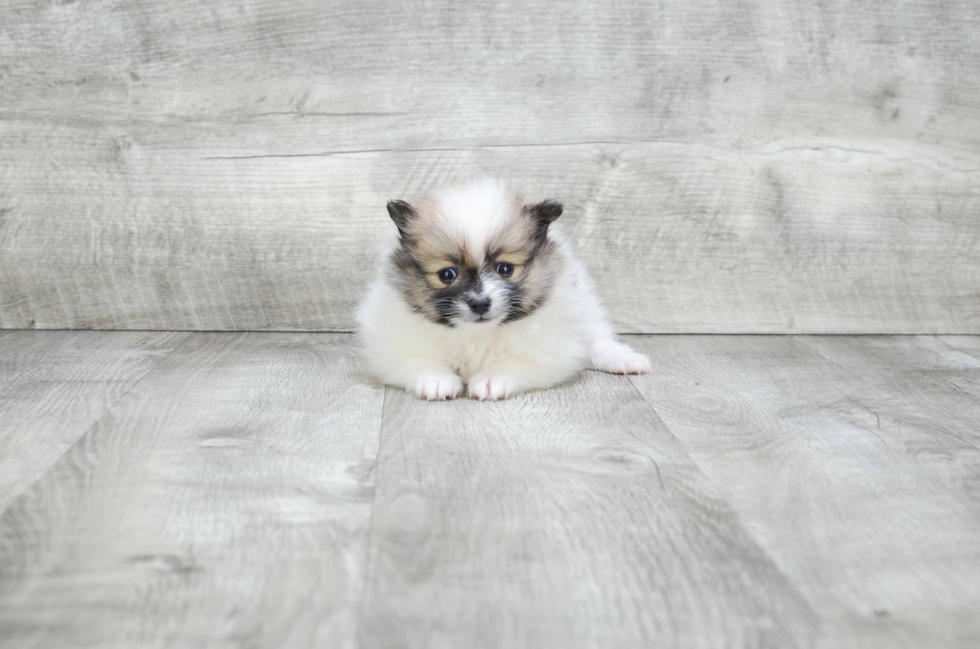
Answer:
(543, 214)
(402, 214)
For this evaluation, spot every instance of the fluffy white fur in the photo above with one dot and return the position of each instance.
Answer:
(567, 333)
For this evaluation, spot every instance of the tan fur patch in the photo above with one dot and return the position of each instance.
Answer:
(516, 241)
(432, 277)
(514, 259)
(512, 242)
(434, 248)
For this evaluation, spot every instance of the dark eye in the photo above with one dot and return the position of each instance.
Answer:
(447, 275)
(504, 269)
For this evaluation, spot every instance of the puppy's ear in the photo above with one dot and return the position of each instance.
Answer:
(543, 214)
(402, 214)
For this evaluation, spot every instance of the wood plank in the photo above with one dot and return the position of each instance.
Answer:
(565, 518)
(770, 167)
(55, 384)
(224, 501)
(865, 500)
(440, 74)
(801, 236)
(933, 372)
(966, 344)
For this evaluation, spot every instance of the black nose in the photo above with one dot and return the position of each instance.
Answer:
(480, 305)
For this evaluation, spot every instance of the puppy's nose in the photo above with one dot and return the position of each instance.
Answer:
(480, 305)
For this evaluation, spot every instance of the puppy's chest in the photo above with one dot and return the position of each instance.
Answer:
(469, 354)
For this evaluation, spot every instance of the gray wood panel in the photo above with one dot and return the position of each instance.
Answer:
(866, 499)
(796, 492)
(224, 501)
(564, 518)
(54, 386)
(679, 237)
(966, 344)
(383, 75)
(759, 167)
(934, 371)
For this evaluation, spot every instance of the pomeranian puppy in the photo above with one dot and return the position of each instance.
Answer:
(480, 290)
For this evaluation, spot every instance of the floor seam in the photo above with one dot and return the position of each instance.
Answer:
(790, 583)
(101, 416)
(368, 564)
(951, 346)
(880, 388)
(819, 352)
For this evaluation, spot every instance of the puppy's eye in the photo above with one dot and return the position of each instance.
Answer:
(504, 269)
(447, 275)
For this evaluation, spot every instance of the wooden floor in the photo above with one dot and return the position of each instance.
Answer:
(256, 490)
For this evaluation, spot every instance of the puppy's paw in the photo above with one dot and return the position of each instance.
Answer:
(620, 359)
(438, 387)
(486, 387)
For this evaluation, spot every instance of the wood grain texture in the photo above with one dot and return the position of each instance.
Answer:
(759, 167)
(804, 491)
(564, 518)
(54, 386)
(866, 499)
(968, 345)
(933, 371)
(679, 237)
(384, 75)
(224, 501)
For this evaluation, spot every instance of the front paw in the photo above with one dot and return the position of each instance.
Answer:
(622, 361)
(438, 387)
(491, 388)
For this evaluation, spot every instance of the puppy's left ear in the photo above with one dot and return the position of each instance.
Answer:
(543, 213)
(402, 214)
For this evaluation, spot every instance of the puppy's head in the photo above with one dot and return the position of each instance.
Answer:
(474, 253)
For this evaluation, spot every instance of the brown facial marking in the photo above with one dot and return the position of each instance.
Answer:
(522, 242)
(427, 247)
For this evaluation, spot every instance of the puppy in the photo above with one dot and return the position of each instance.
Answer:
(480, 289)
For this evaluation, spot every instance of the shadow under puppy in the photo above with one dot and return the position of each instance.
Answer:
(479, 288)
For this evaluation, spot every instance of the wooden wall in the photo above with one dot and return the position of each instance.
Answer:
(752, 166)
